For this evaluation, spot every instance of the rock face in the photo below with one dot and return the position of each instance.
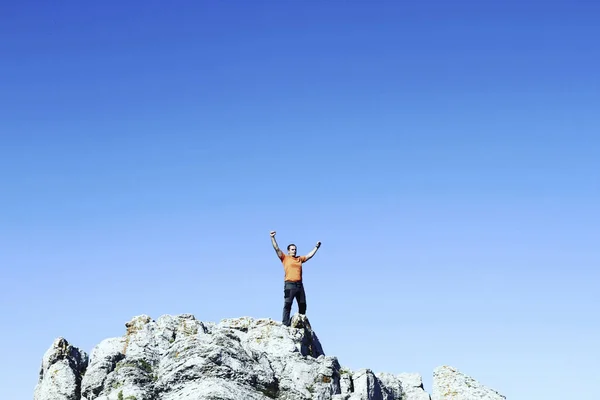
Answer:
(60, 376)
(450, 384)
(182, 358)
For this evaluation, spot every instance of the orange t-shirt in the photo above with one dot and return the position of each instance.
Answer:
(293, 267)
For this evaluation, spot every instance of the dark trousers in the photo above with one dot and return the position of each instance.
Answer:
(291, 291)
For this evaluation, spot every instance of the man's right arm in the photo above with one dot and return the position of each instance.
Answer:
(275, 246)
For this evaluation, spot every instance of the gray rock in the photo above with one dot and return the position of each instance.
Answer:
(61, 373)
(450, 384)
(368, 387)
(182, 358)
(404, 386)
(412, 387)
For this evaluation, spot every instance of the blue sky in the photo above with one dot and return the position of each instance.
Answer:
(446, 154)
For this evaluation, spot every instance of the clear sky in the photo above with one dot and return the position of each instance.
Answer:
(445, 153)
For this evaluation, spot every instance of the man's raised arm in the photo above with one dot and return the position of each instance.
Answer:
(313, 251)
(275, 246)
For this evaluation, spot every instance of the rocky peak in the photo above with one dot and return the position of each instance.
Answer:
(63, 367)
(180, 357)
(450, 383)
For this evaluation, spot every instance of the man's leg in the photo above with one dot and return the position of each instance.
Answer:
(301, 299)
(287, 304)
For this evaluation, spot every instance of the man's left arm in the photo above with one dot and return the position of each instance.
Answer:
(313, 251)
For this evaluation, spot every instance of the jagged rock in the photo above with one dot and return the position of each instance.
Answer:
(412, 387)
(404, 386)
(368, 387)
(346, 384)
(310, 343)
(60, 375)
(182, 358)
(450, 384)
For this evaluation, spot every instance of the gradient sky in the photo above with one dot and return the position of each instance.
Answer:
(446, 154)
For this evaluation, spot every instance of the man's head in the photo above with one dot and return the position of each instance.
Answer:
(291, 250)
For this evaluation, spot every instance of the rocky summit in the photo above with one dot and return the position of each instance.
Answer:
(182, 358)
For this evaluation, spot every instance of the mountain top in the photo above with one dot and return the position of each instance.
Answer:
(182, 358)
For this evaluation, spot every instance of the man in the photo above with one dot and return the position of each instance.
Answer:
(293, 288)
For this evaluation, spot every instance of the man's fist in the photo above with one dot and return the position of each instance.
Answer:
(272, 233)
(318, 244)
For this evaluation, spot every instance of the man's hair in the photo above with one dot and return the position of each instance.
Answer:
(290, 245)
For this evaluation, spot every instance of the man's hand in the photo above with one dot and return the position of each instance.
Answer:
(275, 246)
(313, 251)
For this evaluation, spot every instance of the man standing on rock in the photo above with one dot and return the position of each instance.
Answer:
(293, 288)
